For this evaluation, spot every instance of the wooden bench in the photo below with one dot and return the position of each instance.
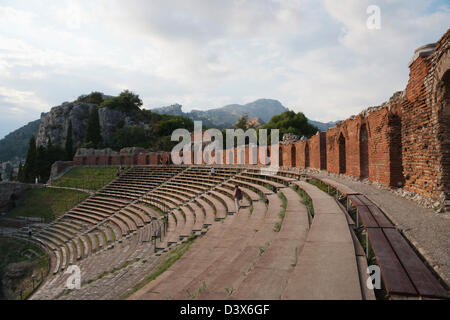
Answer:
(404, 274)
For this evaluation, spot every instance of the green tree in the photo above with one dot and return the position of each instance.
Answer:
(45, 157)
(130, 136)
(242, 123)
(94, 98)
(30, 167)
(20, 177)
(167, 125)
(291, 122)
(69, 143)
(127, 102)
(93, 128)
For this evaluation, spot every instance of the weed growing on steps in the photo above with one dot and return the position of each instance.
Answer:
(262, 251)
(306, 200)
(229, 291)
(282, 213)
(169, 260)
(296, 258)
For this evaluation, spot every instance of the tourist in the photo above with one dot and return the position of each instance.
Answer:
(237, 198)
(118, 172)
(213, 172)
(30, 232)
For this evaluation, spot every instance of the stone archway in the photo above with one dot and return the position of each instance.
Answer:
(364, 152)
(280, 156)
(293, 156)
(342, 155)
(307, 160)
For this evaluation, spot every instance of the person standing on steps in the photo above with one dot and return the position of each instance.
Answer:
(213, 172)
(237, 198)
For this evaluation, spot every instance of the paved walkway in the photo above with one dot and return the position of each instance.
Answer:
(427, 230)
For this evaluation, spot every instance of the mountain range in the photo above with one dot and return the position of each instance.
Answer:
(227, 116)
(14, 146)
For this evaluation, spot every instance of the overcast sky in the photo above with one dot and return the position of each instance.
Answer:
(313, 56)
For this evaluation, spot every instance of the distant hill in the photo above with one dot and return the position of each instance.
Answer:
(227, 116)
(322, 125)
(15, 144)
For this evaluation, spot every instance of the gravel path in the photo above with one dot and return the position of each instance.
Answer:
(427, 230)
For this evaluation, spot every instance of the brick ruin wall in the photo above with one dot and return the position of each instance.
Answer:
(403, 143)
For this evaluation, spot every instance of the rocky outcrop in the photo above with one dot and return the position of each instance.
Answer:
(55, 123)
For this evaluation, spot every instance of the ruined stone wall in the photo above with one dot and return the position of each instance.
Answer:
(423, 126)
(286, 156)
(437, 84)
(332, 149)
(300, 154)
(59, 167)
(318, 151)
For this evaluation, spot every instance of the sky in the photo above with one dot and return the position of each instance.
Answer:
(317, 57)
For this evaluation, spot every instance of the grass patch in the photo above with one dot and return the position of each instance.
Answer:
(122, 266)
(47, 203)
(86, 178)
(322, 186)
(169, 260)
(282, 213)
(35, 262)
(265, 200)
(262, 251)
(306, 199)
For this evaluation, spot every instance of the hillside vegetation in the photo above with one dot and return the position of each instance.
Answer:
(46, 203)
(86, 178)
(19, 261)
(15, 144)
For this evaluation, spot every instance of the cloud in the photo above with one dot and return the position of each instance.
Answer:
(21, 101)
(315, 57)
